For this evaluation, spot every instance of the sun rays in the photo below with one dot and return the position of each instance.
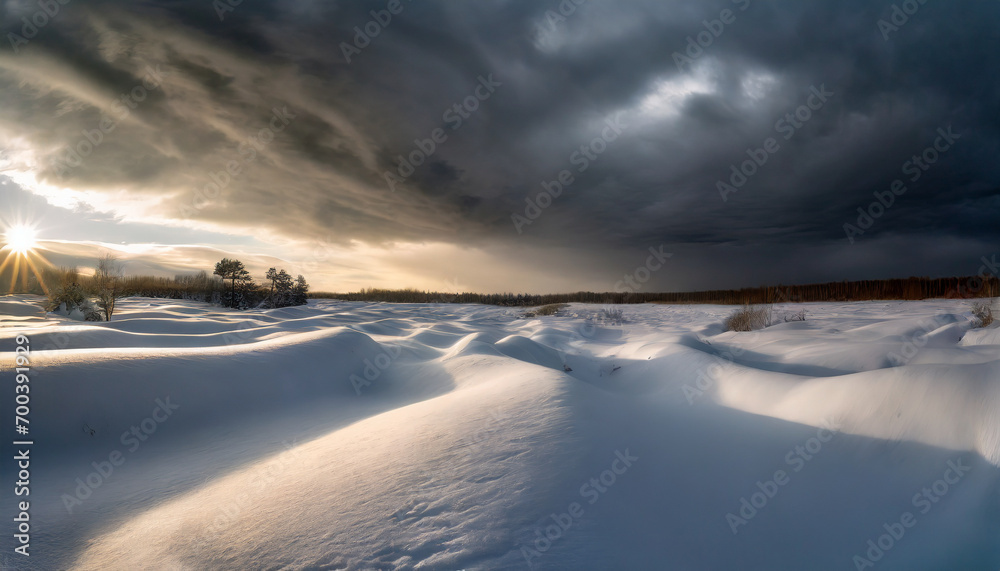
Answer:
(22, 249)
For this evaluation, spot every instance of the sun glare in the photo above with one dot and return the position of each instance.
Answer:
(21, 257)
(21, 239)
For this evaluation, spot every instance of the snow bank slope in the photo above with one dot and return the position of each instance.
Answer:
(373, 436)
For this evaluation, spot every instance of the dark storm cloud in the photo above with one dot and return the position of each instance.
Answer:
(225, 72)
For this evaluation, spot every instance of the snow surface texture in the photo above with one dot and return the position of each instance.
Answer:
(373, 436)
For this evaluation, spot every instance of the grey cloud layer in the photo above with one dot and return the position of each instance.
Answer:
(324, 174)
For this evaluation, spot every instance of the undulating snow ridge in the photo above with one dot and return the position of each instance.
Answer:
(376, 436)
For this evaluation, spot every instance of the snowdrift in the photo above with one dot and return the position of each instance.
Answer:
(374, 436)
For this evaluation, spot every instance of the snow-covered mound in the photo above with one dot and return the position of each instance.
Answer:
(374, 436)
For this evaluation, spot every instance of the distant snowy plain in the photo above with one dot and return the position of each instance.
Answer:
(375, 436)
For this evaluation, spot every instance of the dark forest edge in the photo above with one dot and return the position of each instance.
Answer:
(914, 288)
(201, 286)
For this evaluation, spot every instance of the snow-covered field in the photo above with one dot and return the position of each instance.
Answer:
(374, 436)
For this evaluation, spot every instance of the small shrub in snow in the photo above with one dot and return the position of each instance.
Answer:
(66, 297)
(70, 299)
(550, 309)
(612, 315)
(91, 313)
(800, 316)
(982, 310)
(749, 318)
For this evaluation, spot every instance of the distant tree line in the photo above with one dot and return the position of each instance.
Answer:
(889, 289)
(231, 285)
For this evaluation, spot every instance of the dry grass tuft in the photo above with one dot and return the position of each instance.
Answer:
(749, 318)
(800, 316)
(550, 309)
(612, 315)
(983, 311)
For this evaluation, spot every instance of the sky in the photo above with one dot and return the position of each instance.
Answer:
(491, 146)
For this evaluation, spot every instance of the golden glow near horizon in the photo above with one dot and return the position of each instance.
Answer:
(21, 243)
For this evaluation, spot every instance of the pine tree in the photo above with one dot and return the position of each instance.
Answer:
(272, 274)
(283, 289)
(300, 292)
(232, 270)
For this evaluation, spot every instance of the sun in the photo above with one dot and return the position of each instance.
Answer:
(24, 257)
(21, 239)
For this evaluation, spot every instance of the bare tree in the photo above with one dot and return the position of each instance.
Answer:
(108, 284)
